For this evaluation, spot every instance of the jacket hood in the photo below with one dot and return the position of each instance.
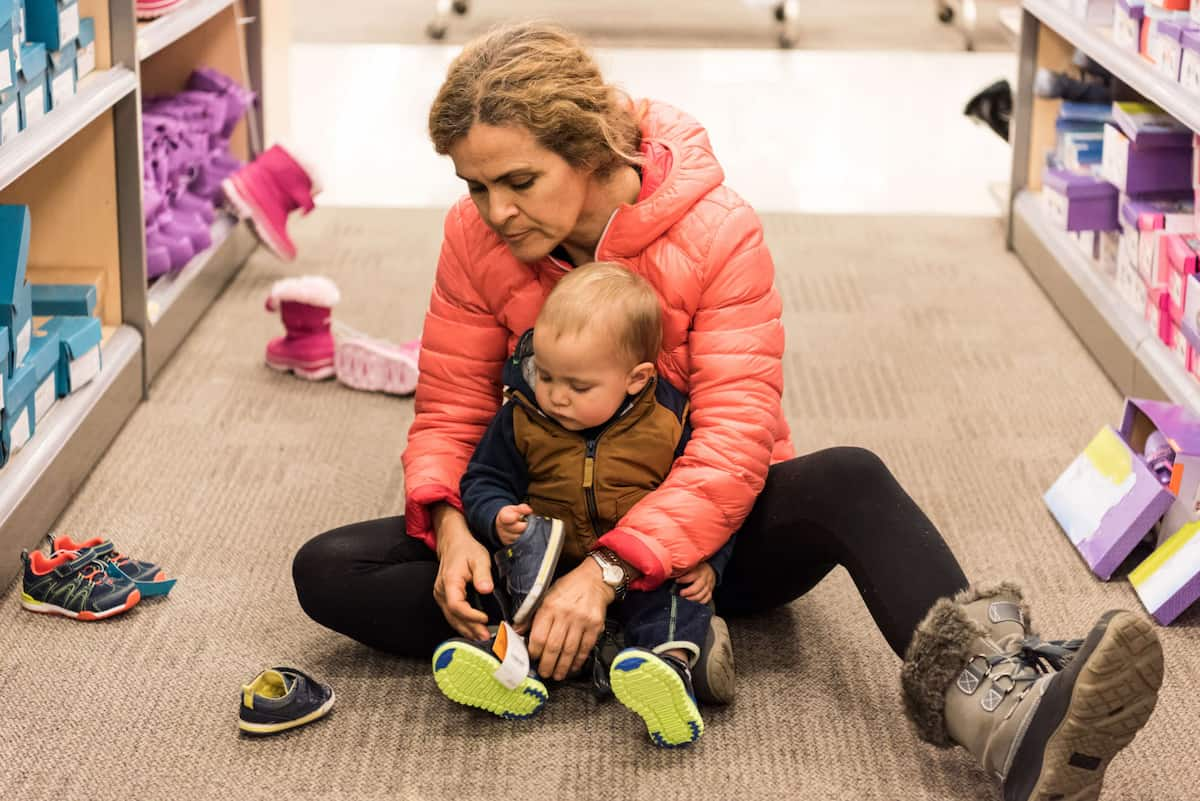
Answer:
(680, 160)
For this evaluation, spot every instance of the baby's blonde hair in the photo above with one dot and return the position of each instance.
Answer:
(606, 294)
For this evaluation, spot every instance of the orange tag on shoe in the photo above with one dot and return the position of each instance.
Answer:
(509, 648)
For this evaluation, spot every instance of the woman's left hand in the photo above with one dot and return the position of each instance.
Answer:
(569, 621)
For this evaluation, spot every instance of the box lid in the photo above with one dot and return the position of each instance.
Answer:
(14, 251)
(1182, 251)
(77, 335)
(62, 58)
(1149, 214)
(1177, 423)
(1077, 185)
(1169, 29)
(87, 31)
(43, 354)
(6, 10)
(1191, 38)
(33, 60)
(63, 299)
(1148, 126)
(1132, 8)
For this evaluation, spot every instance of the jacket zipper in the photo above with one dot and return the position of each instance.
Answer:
(589, 484)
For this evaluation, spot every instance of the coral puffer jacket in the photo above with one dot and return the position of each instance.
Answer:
(701, 247)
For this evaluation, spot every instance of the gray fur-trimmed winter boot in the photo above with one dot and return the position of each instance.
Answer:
(1045, 718)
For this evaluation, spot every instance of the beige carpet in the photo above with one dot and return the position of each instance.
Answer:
(821, 24)
(917, 337)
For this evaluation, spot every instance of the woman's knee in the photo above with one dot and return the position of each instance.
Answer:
(836, 468)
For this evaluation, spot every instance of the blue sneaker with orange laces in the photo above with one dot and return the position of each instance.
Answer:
(150, 579)
(75, 584)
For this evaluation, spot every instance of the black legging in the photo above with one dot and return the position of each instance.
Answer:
(374, 583)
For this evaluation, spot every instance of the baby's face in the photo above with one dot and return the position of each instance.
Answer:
(581, 379)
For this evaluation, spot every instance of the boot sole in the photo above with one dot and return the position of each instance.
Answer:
(43, 608)
(246, 209)
(714, 676)
(1093, 710)
(649, 687)
(465, 673)
(318, 372)
(369, 367)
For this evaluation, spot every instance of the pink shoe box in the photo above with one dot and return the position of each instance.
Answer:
(1179, 259)
(1093, 12)
(1143, 220)
(1078, 202)
(1127, 24)
(1189, 325)
(1158, 313)
(1179, 346)
(1189, 65)
(1156, 14)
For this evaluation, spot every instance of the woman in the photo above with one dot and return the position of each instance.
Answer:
(562, 169)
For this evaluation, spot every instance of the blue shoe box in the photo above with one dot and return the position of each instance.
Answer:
(52, 22)
(16, 296)
(10, 114)
(3, 365)
(66, 300)
(31, 84)
(85, 53)
(43, 356)
(16, 421)
(8, 67)
(79, 355)
(17, 17)
(60, 77)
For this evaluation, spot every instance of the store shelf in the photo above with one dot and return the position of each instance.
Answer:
(175, 302)
(43, 477)
(97, 94)
(1117, 336)
(1133, 70)
(169, 28)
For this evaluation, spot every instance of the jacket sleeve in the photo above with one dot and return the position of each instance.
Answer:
(496, 477)
(720, 559)
(735, 388)
(463, 349)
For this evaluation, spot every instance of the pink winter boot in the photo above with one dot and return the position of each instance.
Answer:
(266, 191)
(304, 305)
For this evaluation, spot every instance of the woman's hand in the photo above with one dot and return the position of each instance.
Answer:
(461, 558)
(700, 581)
(569, 620)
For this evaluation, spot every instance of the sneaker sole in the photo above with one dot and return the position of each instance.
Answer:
(714, 677)
(316, 372)
(1075, 733)
(544, 576)
(464, 674)
(43, 608)
(653, 690)
(275, 728)
(246, 209)
(371, 368)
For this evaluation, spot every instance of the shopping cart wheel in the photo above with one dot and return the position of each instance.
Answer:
(460, 7)
(435, 30)
(787, 41)
(780, 12)
(945, 15)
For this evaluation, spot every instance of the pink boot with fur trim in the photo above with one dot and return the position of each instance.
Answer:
(305, 305)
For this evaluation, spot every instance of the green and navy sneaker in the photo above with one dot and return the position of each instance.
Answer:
(465, 673)
(282, 698)
(150, 578)
(658, 687)
(75, 584)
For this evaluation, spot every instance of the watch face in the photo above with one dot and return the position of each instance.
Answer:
(613, 575)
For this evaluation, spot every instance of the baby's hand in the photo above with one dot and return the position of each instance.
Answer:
(700, 580)
(510, 522)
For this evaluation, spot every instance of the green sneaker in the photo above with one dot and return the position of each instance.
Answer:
(465, 673)
(659, 689)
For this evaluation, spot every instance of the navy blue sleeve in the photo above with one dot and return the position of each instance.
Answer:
(720, 559)
(496, 477)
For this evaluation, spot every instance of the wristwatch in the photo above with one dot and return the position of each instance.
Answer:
(612, 570)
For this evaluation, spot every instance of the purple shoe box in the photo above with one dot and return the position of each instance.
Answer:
(1079, 202)
(1166, 48)
(1143, 220)
(1127, 24)
(1189, 65)
(1158, 166)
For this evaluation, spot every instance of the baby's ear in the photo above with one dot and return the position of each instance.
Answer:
(639, 376)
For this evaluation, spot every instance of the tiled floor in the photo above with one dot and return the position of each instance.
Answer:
(797, 131)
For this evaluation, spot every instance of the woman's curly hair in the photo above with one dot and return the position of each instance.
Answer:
(541, 78)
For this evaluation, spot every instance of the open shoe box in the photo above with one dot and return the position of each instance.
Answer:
(1108, 500)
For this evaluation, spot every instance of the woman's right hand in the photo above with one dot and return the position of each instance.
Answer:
(461, 558)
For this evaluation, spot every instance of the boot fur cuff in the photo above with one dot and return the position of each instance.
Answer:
(315, 290)
(940, 647)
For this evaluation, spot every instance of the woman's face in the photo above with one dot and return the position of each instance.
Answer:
(529, 195)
